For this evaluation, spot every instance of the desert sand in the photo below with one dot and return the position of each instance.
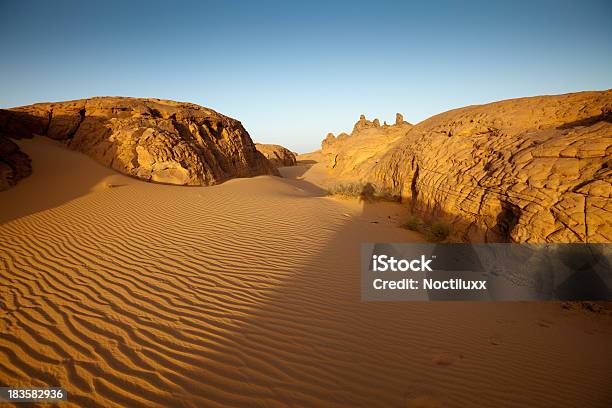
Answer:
(247, 293)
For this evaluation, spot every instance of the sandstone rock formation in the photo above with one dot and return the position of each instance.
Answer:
(151, 139)
(277, 155)
(526, 170)
(352, 156)
(399, 119)
(328, 141)
(363, 124)
(14, 164)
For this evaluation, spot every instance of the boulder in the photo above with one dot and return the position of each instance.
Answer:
(14, 164)
(151, 139)
(278, 155)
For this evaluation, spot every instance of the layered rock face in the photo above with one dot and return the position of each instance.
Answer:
(525, 170)
(351, 157)
(278, 155)
(14, 164)
(151, 139)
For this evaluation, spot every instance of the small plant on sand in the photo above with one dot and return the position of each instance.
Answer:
(363, 191)
(387, 194)
(368, 192)
(413, 223)
(346, 189)
(438, 231)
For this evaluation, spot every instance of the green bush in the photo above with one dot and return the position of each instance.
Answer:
(438, 231)
(413, 223)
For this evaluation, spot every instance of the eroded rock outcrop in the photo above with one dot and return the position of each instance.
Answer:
(352, 156)
(151, 139)
(363, 124)
(526, 170)
(399, 119)
(278, 155)
(14, 164)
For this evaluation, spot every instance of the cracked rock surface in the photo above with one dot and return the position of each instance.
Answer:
(533, 169)
(151, 139)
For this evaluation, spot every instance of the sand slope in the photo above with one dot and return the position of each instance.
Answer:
(60, 175)
(247, 294)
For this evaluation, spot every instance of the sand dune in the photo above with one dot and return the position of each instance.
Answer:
(60, 175)
(247, 294)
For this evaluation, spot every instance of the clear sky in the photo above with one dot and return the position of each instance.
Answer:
(293, 71)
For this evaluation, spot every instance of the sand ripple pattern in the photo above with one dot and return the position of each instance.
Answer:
(245, 295)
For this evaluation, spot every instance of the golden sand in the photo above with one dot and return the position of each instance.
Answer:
(248, 294)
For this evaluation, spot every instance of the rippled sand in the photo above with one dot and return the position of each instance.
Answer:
(248, 294)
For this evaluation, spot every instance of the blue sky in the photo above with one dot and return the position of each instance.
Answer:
(293, 71)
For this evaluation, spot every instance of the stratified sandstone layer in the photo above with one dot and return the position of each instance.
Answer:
(526, 170)
(14, 164)
(278, 155)
(151, 139)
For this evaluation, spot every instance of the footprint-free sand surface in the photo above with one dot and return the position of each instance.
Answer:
(247, 294)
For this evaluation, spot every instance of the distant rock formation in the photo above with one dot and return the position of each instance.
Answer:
(277, 155)
(399, 119)
(329, 140)
(352, 155)
(151, 139)
(363, 124)
(14, 164)
(342, 136)
(524, 170)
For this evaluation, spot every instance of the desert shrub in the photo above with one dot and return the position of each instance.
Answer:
(368, 192)
(413, 223)
(363, 191)
(346, 189)
(438, 231)
(387, 194)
